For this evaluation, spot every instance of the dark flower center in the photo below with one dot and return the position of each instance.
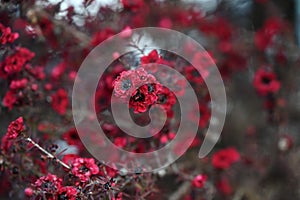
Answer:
(84, 169)
(150, 88)
(266, 80)
(74, 136)
(126, 84)
(162, 98)
(63, 196)
(139, 97)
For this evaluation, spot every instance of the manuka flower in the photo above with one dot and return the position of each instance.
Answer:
(199, 180)
(129, 81)
(15, 128)
(60, 101)
(265, 82)
(224, 158)
(67, 193)
(84, 168)
(6, 36)
(49, 183)
(143, 98)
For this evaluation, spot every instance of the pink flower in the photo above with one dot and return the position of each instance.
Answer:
(199, 180)
(84, 168)
(49, 183)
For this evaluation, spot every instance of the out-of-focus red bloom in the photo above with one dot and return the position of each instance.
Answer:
(132, 4)
(265, 82)
(224, 187)
(120, 142)
(58, 70)
(9, 99)
(264, 37)
(219, 28)
(224, 158)
(28, 192)
(18, 84)
(84, 168)
(49, 183)
(60, 101)
(199, 180)
(36, 71)
(101, 36)
(67, 192)
(72, 138)
(6, 36)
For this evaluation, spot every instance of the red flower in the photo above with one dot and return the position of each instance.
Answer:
(165, 97)
(143, 98)
(265, 82)
(199, 180)
(68, 193)
(15, 128)
(18, 84)
(152, 57)
(69, 158)
(132, 4)
(224, 187)
(60, 101)
(101, 36)
(14, 63)
(72, 138)
(224, 158)
(264, 37)
(6, 36)
(49, 183)
(9, 99)
(84, 168)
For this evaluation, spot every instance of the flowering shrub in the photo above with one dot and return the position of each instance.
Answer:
(43, 44)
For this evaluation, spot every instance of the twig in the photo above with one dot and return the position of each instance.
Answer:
(47, 153)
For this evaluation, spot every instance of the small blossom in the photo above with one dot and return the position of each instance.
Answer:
(60, 101)
(72, 138)
(224, 158)
(84, 168)
(15, 128)
(9, 99)
(265, 82)
(199, 180)
(6, 36)
(28, 192)
(67, 193)
(224, 187)
(49, 183)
